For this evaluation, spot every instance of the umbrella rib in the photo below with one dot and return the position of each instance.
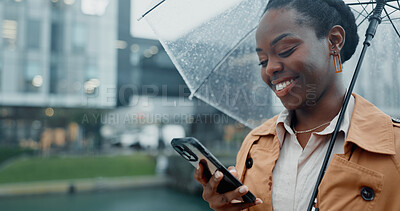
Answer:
(397, 32)
(387, 15)
(366, 17)
(392, 12)
(360, 3)
(159, 3)
(223, 59)
(396, 8)
(370, 2)
(372, 6)
(364, 8)
(359, 13)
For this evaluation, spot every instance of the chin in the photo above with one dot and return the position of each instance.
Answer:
(292, 102)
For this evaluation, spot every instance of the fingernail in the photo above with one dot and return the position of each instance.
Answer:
(243, 189)
(218, 174)
(259, 201)
(235, 201)
(232, 170)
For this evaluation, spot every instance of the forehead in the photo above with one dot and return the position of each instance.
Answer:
(280, 21)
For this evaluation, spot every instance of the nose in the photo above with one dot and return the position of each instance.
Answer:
(273, 66)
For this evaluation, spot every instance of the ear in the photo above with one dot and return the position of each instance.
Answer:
(336, 37)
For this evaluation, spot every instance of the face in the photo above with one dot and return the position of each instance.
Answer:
(294, 62)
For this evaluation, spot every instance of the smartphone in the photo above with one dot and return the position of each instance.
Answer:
(194, 152)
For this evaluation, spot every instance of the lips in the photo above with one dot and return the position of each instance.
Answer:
(283, 86)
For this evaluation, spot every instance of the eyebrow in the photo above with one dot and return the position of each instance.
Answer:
(277, 39)
(280, 37)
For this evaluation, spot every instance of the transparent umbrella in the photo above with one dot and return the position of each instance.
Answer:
(212, 44)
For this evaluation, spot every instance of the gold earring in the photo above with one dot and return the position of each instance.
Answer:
(336, 62)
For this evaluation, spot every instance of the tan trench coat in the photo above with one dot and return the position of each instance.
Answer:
(365, 177)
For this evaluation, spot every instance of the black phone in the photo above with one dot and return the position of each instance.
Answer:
(194, 152)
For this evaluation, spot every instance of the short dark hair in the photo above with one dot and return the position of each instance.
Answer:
(322, 15)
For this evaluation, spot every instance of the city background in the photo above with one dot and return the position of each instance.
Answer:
(89, 102)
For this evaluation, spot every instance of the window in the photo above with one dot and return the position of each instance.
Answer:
(33, 30)
(10, 32)
(1, 75)
(79, 34)
(57, 37)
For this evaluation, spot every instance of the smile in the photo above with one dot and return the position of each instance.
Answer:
(283, 85)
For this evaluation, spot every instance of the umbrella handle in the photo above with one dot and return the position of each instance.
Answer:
(375, 20)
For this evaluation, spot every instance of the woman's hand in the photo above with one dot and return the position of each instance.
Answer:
(228, 201)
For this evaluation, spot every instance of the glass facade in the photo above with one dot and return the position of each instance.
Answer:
(55, 52)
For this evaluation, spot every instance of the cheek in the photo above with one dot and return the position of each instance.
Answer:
(265, 77)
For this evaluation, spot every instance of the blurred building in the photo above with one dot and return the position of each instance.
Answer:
(57, 63)
(58, 53)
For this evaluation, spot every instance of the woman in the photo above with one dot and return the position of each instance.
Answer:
(300, 44)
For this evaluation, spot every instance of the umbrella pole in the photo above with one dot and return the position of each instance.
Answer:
(375, 20)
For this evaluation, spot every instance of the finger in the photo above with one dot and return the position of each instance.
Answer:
(228, 200)
(233, 171)
(198, 175)
(210, 189)
(237, 193)
(242, 206)
(215, 180)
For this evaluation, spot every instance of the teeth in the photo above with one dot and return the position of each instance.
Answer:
(283, 85)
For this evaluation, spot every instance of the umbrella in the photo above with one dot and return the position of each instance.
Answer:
(212, 45)
(375, 18)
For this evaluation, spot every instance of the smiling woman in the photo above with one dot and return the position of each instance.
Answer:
(300, 44)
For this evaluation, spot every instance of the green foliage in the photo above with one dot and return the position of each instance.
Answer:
(60, 168)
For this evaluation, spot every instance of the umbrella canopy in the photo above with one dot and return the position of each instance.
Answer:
(212, 44)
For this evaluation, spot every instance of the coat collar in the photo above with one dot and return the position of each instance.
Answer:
(267, 128)
(370, 128)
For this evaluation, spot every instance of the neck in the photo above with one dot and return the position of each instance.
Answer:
(323, 110)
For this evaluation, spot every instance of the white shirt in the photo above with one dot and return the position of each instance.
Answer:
(296, 170)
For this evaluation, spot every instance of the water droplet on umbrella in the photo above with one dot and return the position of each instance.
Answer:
(216, 81)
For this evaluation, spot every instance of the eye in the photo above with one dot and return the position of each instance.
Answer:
(288, 52)
(263, 63)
